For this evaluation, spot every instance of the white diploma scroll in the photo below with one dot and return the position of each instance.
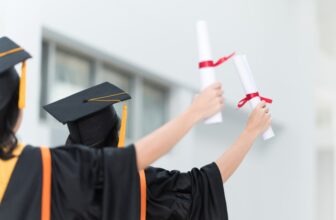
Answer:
(208, 75)
(247, 80)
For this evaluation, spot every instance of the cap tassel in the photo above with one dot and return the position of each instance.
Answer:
(22, 89)
(122, 132)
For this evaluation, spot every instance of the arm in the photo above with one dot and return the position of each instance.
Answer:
(258, 122)
(197, 194)
(161, 141)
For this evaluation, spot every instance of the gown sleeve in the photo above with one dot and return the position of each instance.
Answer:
(94, 183)
(196, 195)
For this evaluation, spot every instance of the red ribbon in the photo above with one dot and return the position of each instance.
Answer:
(248, 97)
(210, 63)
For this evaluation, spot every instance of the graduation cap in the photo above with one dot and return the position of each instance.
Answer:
(81, 110)
(10, 55)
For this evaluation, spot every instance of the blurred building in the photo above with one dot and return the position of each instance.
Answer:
(149, 49)
(325, 81)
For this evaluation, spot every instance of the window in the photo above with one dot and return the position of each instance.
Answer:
(44, 77)
(116, 77)
(69, 68)
(72, 74)
(154, 107)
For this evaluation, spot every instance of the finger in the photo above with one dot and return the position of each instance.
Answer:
(221, 105)
(261, 104)
(220, 92)
(268, 117)
(269, 122)
(216, 85)
(221, 100)
(218, 103)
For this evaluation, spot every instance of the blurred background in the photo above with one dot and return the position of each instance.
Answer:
(149, 48)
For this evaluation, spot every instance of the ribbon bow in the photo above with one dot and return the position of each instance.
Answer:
(250, 96)
(210, 63)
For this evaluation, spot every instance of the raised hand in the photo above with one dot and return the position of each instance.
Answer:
(259, 119)
(208, 102)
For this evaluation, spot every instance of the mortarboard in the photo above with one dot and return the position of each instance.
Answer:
(10, 55)
(82, 108)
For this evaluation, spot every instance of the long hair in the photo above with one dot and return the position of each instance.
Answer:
(8, 118)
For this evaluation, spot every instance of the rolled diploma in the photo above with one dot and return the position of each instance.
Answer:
(208, 75)
(247, 80)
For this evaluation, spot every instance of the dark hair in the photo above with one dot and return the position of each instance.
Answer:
(8, 118)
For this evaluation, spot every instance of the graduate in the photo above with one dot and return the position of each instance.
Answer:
(169, 195)
(75, 181)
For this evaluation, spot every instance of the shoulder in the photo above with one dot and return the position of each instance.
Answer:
(155, 175)
(88, 153)
(212, 170)
(130, 149)
(29, 149)
(74, 153)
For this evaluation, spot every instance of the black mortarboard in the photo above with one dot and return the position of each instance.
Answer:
(81, 110)
(10, 55)
(86, 102)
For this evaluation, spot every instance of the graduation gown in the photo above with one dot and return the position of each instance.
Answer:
(195, 195)
(87, 184)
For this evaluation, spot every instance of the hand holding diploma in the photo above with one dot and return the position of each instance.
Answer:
(156, 144)
(207, 65)
(250, 87)
(259, 120)
(209, 102)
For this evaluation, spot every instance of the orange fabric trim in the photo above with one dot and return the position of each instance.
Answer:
(6, 169)
(10, 51)
(143, 194)
(143, 183)
(22, 91)
(104, 98)
(46, 183)
(122, 132)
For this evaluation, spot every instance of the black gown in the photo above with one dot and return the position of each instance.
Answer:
(87, 184)
(195, 195)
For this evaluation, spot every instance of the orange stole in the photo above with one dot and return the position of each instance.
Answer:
(143, 194)
(142, 175)
(46, 183)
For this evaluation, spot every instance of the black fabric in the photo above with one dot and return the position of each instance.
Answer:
(87, 184)
(9, 78)
(195, 195)
(10, 60)
(104, 132)
(22, 199)
(86, 102)
(9, 83)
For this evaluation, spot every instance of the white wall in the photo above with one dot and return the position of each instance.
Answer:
(276, 180)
